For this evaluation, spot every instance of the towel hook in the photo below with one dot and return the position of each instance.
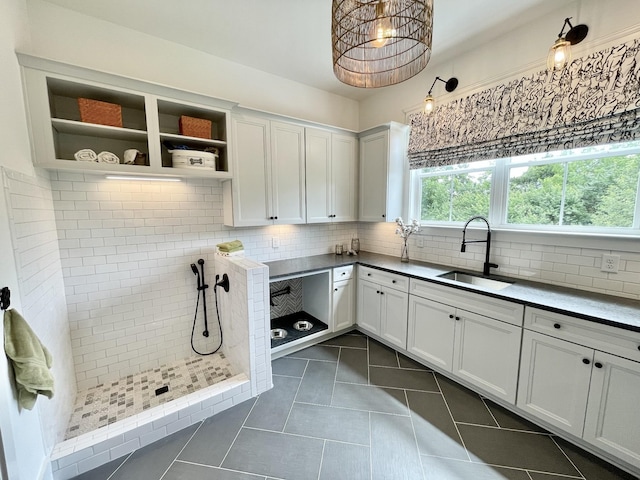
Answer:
(5, 298)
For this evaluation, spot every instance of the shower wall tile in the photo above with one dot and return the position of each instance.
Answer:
(42, 291)
(125, 249)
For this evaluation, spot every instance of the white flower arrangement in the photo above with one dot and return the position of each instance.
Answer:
(404, 230)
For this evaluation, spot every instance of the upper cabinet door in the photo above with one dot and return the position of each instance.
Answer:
(319, 180)
(344, 174)
(383, 173)
(374, 151)
(288, 173)
(250, 187)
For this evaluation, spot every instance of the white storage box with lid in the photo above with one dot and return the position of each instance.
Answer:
(193, 159)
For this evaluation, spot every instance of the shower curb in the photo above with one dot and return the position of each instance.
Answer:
(93, 449)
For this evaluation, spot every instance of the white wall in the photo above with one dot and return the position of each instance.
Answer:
(67, 36)
(37, 256)
(22, 440)
(478, 67)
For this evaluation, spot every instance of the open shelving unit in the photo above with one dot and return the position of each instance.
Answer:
(150, 119)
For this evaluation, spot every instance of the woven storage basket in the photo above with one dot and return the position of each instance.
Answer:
(195, 127)
(103, 113)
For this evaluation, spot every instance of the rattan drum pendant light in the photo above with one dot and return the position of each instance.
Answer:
(380, 42)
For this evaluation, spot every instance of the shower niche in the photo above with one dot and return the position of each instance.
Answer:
(300, 310)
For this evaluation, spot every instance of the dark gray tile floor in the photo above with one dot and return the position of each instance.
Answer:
(353, 409)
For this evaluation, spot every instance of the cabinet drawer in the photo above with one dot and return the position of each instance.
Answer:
(387, 279)
(342, 273)
(473, 302)
(625, 343)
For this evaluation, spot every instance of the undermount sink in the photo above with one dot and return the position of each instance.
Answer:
(475, 280)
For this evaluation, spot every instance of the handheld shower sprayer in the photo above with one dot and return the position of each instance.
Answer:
(202, 287)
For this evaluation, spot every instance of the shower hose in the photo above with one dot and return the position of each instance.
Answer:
(202, 287)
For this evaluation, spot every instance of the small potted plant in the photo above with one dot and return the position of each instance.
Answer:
(405, 230)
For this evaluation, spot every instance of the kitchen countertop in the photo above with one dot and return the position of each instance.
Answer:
(608, 309)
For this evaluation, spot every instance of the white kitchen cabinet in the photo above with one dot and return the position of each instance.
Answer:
(383, 304)
(343, 298)
(478, 349)
(612, 422)
(150, 117)
(481, 350)
(567, 380)
(554, 380)
(331, 176)
(431, 330)
(268, 186)
(383, 172)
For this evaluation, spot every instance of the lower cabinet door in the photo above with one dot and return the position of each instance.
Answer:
(431, 330)
(554, 381)
(487, 353)
(344, 296)
(369, 306)
(393, 316)
(612, 422)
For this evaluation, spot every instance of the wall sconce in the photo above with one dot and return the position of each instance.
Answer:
(560, 51)
(429, 101)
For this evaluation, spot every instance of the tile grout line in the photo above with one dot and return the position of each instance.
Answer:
(238, 432)
(119, 466)
(306, 436)
(415, 436)
(503, 428)
(565, 454)
(370, 442)
(444, 398)
(284, 427)
(490, 412)
(335, 378)
(324, 445)
(221, 468)
(181, 450)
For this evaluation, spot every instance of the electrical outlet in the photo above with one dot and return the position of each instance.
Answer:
(610, 263)
(419, 241)
(275, 242)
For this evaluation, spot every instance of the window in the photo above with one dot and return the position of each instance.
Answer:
(593, 189)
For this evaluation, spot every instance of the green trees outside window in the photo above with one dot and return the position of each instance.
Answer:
(589, 191)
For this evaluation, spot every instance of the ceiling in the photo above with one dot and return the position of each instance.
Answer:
(292, 38)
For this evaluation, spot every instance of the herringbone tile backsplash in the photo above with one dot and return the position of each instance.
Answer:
(288, 303)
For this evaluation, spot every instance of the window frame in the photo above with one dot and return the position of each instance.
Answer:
(499, 196)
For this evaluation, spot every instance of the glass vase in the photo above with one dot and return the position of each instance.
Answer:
(404, 256)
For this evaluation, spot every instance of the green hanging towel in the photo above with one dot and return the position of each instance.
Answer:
(30, 359)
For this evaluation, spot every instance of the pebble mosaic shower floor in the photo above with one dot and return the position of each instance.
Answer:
(114, 401)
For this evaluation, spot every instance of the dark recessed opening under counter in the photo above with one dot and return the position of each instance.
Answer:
(301, 298)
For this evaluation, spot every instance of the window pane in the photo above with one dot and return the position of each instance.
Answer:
(602, 192)
(435, 201)
(455, 197)
(535, 194)
(472, 193)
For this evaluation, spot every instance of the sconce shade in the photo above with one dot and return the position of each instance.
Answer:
(449, 85)
(377, 43)
(559, 55)
(429, 104)
(560, 51)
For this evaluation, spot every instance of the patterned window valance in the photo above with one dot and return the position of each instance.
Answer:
(595, 100)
